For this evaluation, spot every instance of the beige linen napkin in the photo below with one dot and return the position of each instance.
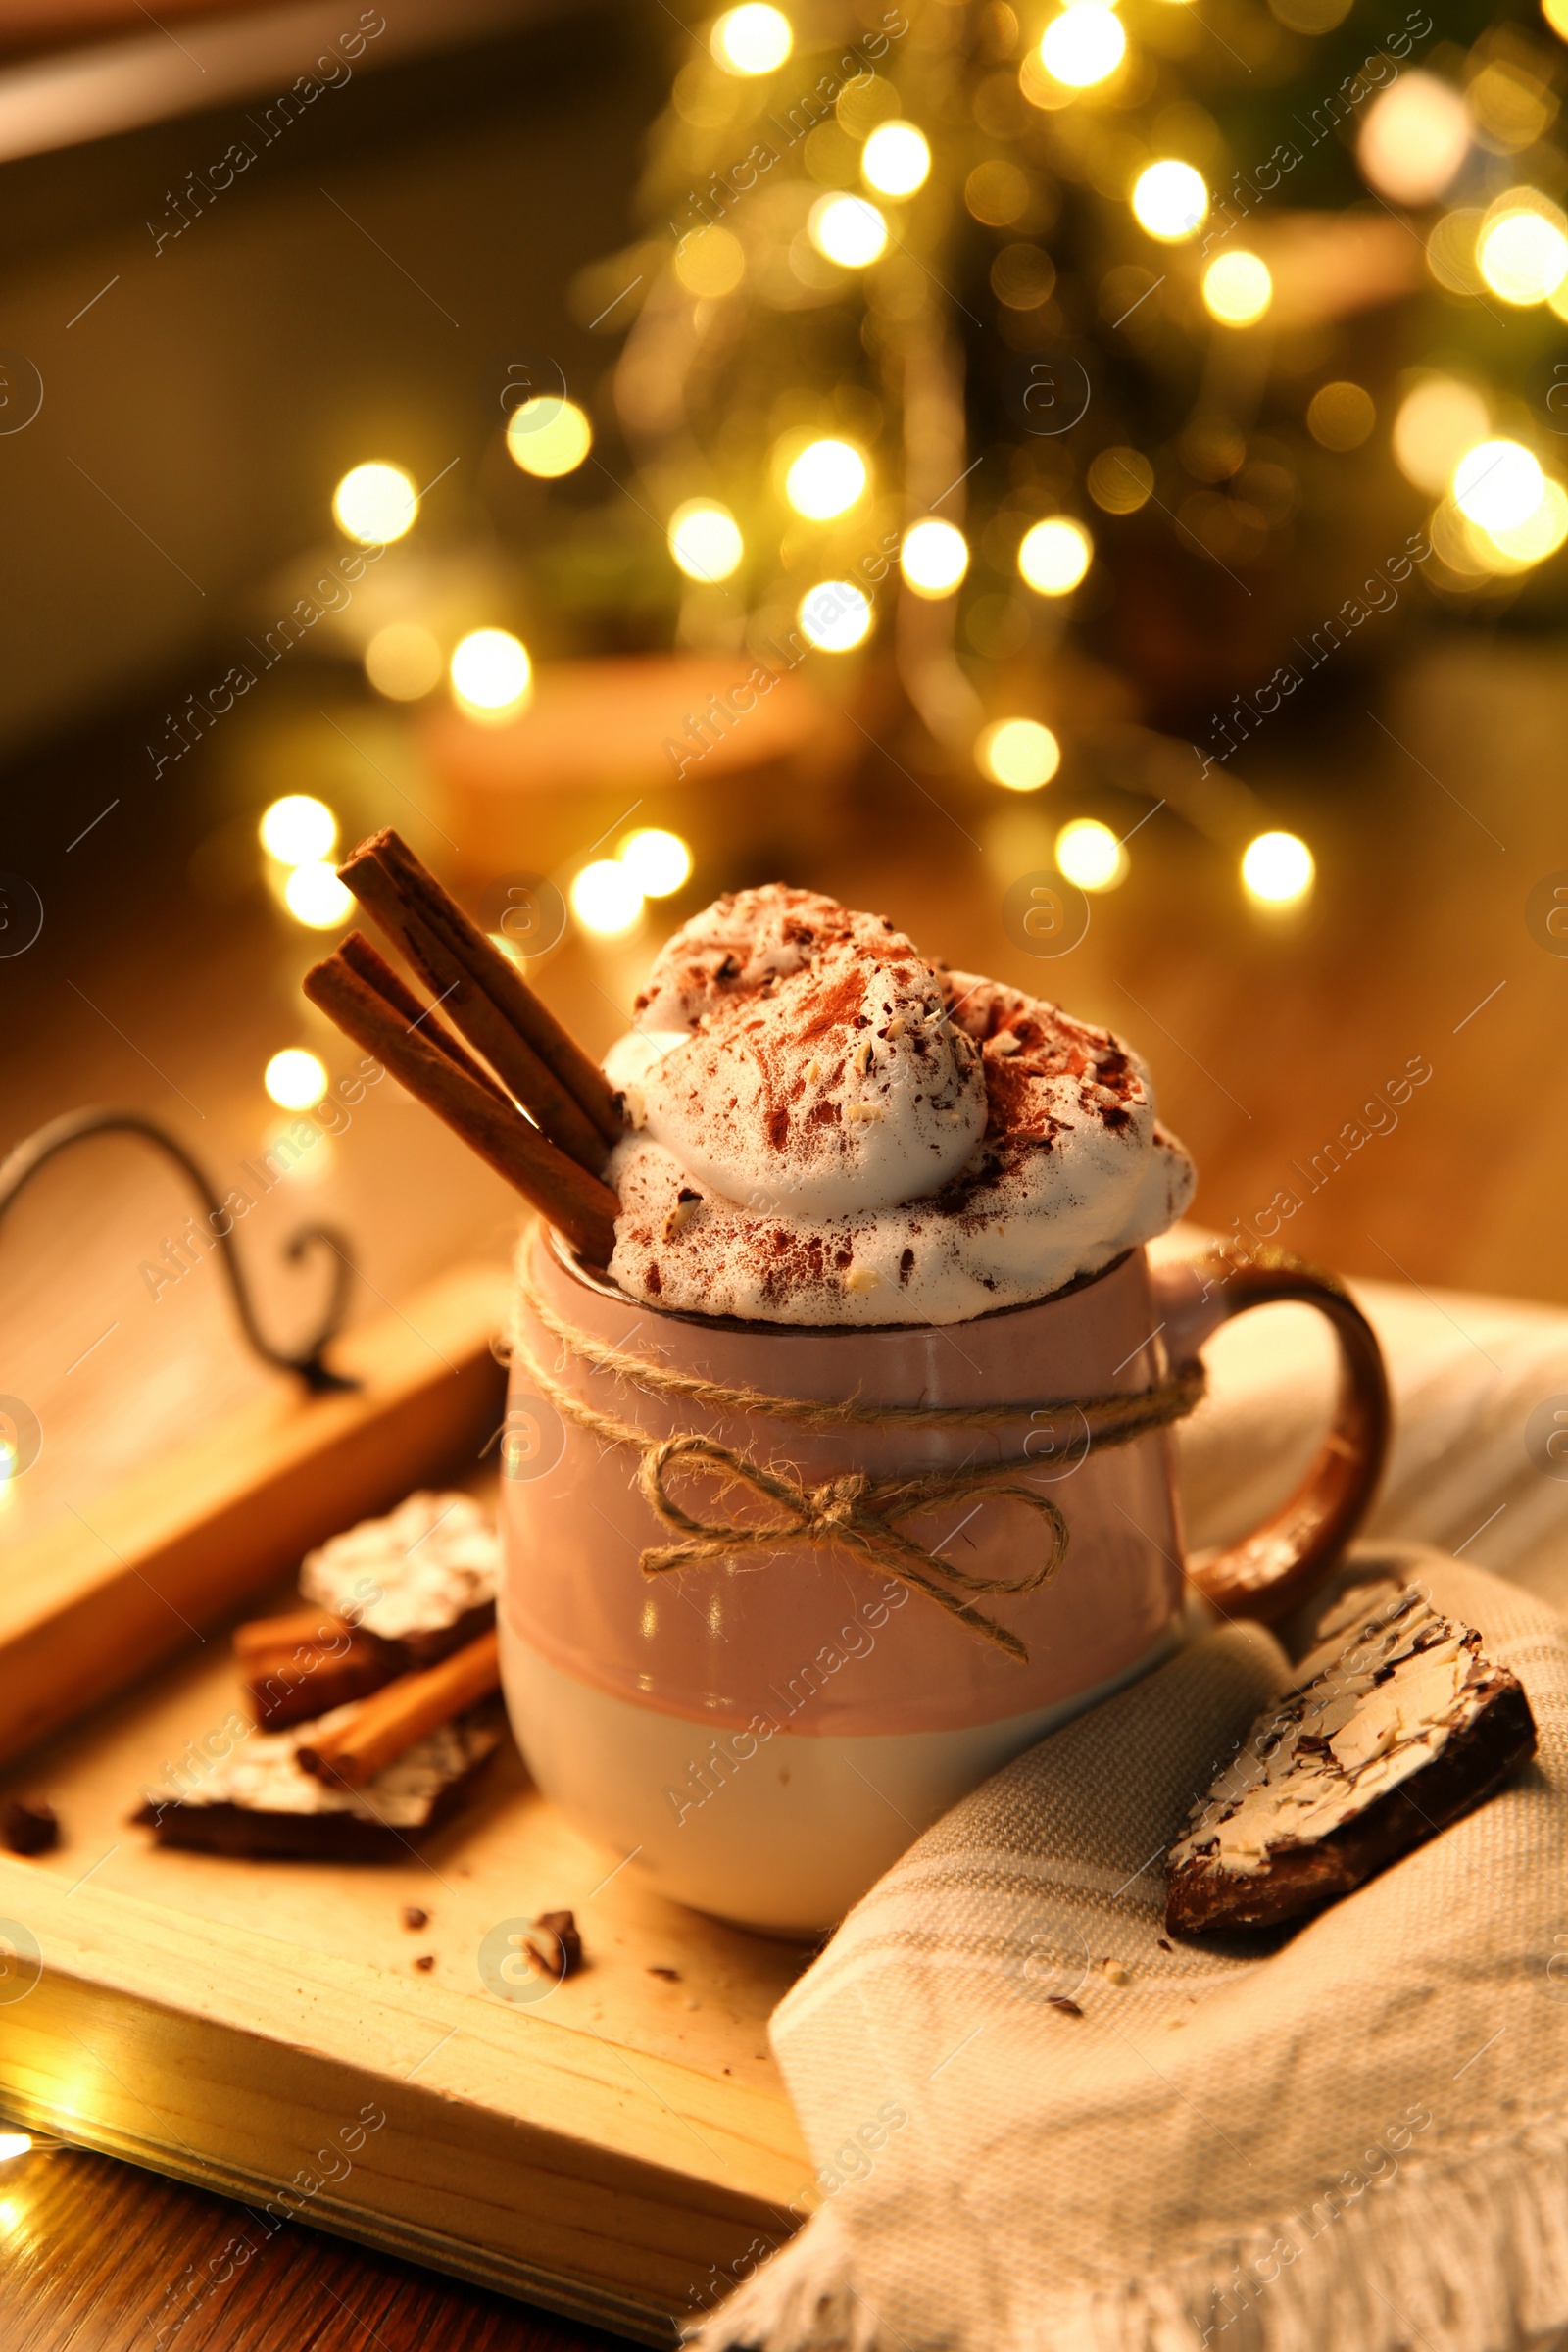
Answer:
(1354, 2139)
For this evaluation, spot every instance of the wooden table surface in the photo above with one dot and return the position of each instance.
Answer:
(154, 987)
(96, 2256)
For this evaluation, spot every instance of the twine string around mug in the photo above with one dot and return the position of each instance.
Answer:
(854, 1510)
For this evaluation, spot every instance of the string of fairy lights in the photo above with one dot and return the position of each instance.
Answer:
(1437, 139)
(1500, 511)
(491, 679)
(1461, 145)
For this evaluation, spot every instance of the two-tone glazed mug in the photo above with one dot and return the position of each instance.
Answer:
(764, 1735)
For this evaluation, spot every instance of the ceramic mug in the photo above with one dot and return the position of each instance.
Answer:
(766, 1735)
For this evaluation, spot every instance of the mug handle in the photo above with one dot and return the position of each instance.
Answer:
(1271, 1571)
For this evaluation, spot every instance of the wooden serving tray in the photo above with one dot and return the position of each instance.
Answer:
(620, 2149)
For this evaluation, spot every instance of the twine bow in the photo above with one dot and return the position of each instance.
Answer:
(852, 1510)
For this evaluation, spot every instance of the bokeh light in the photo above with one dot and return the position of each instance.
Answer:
(1023, 276)
(315, 898)
(1339, 415)
(934, 558)
(402, 662)
(835, 616)
(1527, 543)
(1522, 251)
(549, 436)
(1054, 555)
(710, 263)
(1278, 868)
(658, 862)
(491, 673)
(1462, 549)
(605, 898)
(1512, 108)
(896, 159)
(1314, 17)
(1236, 289)
(298, 829)
(864, 102)
(997, 192)
(294, 1079)
(847, 229)
(825, 479)
(1088, 854)
(1436, 422)
(1084, 45)
(1120, 480)
(754, 39)
(375, 504)
(1169, 199)
(1498, 484)
(1451, 249)
(705, 539)
(1018, 753)
(1414, 137)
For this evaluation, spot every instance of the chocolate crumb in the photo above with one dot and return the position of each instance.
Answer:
(558, 1950)
(426, 1961)
(414, 1917)
(1059, 2000)
(1164, 1946)
(672, 1974)
(30, 1827)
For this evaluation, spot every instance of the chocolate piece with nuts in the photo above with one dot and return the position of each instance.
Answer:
(1393, 1731)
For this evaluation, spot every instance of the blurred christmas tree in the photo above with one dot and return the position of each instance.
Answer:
(1098, 364)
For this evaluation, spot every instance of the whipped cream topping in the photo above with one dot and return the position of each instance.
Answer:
(828, 1128)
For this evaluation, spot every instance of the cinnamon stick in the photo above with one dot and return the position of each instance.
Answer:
(305, 1679)
(494, 1003)
(394, 1718)
(382, 893)
(263, 1635)
(562, 1189)
(362, 958)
